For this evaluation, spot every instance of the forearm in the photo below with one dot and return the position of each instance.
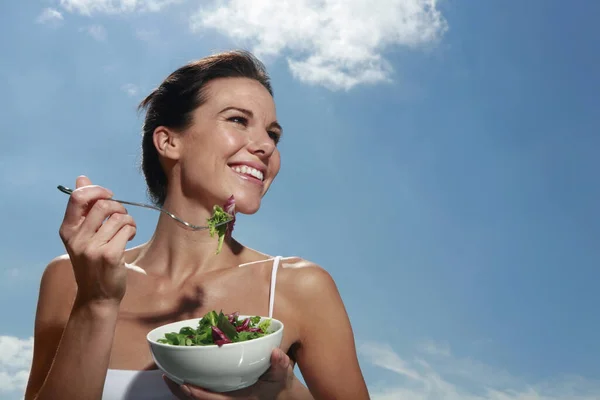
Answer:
(81, 360)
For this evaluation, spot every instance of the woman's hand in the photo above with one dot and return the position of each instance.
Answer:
(278, 379)
(95, 231)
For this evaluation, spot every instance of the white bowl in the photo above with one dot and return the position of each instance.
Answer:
(230, 367)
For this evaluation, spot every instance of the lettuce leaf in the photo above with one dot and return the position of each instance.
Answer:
(219, 216)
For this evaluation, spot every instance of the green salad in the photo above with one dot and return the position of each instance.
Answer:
(219, 329)
(222, 214)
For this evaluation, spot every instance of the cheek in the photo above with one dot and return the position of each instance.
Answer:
(229, 140)
(275, 164)
(219, 141)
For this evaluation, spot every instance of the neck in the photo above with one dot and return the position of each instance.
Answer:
(177, 252)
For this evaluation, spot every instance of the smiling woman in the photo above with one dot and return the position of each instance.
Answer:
(210, 135)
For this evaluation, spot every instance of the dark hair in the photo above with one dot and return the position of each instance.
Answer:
(174, 101)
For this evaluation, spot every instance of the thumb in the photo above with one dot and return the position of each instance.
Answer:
(82, 181)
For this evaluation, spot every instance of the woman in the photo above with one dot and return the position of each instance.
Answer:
(210, 132)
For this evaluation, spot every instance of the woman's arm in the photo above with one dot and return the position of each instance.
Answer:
(71, 350)
(71, 354)
(327, 354)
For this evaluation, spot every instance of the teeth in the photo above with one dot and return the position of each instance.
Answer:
(248, 171)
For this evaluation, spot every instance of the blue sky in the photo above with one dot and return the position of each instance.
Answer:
(450, 150)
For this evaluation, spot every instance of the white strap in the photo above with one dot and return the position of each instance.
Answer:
(273, 282)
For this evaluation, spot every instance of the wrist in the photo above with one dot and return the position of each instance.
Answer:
(294, 390)
(97, 309)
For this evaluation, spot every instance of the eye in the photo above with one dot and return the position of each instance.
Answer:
(276, 136)
(239, 120)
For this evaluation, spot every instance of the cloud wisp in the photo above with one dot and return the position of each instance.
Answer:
(97, 32)
(131, 89)
(436, 375)
(92, 7)
(50, 16)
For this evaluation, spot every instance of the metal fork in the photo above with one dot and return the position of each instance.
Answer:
(176, 218)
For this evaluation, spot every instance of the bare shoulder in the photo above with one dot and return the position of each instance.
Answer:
(60, 265)
(57, 289)
(311, 297)
(306, 280)
(59, 272)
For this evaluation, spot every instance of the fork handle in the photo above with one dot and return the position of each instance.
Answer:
(70, 191)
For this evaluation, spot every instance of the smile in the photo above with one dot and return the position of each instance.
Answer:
(248, 171)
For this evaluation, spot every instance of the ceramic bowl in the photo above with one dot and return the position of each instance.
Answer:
(230, 367)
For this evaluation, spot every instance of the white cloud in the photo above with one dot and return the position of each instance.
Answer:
(15, 361)
(90, 7)
(435, 348)
(335, 43)
(98, 32)
(50, 16)
(456, 379)
(131, 89)
(338, 44)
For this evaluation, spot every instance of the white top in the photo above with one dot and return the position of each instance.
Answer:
(149, 385)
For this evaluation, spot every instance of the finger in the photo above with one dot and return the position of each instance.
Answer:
(81, 200)
(82, 181)
(101, 210)
(198, 393)
(113, 225)
(175, 389)
(280, 369)
(119, 242)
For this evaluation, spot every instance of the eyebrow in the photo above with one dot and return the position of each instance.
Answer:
(250, 114)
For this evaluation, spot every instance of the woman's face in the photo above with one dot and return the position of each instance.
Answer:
(231, 146)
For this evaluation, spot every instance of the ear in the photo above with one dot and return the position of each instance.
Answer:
(167, 143)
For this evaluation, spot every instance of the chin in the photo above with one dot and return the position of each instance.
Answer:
(246, 204)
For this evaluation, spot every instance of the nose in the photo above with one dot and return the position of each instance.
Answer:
(261, 144)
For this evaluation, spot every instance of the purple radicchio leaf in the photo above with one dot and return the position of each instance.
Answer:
(219, 337)
(229, 208)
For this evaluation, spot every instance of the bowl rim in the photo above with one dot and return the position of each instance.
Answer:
(211, 346)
